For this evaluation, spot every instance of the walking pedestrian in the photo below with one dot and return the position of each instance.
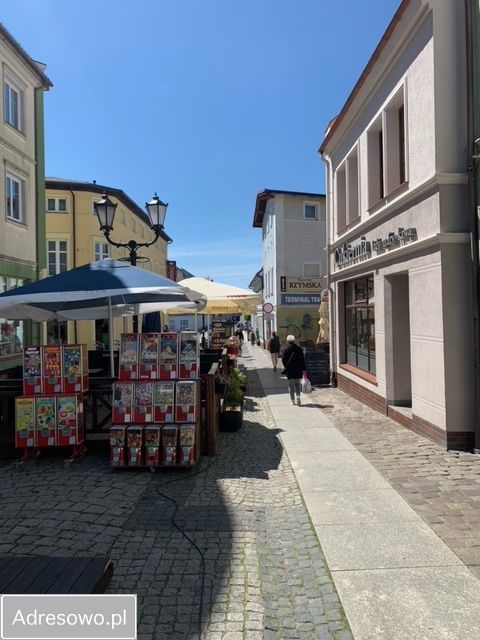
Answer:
(274, 348)
(253, 337)
(294, 366)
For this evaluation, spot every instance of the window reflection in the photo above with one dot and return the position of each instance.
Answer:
(360, 324)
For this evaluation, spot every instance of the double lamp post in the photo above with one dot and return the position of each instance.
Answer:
(105, 211)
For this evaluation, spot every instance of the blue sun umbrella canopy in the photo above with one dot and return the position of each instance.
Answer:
(95, 291)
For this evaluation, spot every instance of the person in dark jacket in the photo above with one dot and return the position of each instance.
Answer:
(274, 348)
(294, 364)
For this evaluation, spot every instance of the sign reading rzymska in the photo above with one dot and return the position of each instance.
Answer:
(294, 284)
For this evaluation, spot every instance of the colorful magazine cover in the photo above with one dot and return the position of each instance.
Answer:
(32, 370)
(148, 357)
(185, 401)
(122, 401)
(143, 401)
(167, 356)
(24, 422)
(128, 356)
(163, 401)
(188, 355)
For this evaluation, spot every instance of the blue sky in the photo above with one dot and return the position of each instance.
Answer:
(206, 102)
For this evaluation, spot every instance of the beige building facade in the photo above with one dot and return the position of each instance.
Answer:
(21, 186)
(73, 238)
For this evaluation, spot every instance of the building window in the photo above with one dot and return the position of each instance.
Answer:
(311, 269)
(12, 332)
(352, 208)
(341, 198)
(310, 211)
(360, 324)
(15, 198)
(13, 103)
(386, 149)
(100, 250)
(56, 205)
(57, 256)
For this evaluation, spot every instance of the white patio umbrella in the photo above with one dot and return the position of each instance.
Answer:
(222, 298)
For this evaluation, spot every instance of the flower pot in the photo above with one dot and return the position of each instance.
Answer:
(231, 419)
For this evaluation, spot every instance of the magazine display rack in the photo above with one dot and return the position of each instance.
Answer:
(51, 412)
(156, 402)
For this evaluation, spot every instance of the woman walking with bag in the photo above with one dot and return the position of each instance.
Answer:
(294, 363)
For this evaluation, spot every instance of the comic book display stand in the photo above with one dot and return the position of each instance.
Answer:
(50, 413)
(156, 401)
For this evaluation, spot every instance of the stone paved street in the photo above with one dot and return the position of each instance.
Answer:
(265, 575)
(443, 487)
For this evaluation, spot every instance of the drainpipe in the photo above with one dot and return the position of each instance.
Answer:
(331, 291)
(472, 26)
(74, 238)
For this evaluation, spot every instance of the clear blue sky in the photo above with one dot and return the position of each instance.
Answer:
(206, 102)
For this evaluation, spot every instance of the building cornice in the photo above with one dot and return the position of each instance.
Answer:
(400, 202)
(34, 66)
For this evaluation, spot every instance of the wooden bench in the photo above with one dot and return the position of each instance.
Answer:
(41, 574)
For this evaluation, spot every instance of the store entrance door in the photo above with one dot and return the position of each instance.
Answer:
(397, 341)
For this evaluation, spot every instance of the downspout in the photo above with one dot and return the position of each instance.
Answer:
(472, 25)
(74, 242)
(331, 291)
(36, 329)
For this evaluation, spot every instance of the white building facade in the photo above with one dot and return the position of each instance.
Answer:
(400, 226)
(293, 262)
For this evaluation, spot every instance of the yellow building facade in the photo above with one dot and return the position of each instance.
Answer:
(73, 238)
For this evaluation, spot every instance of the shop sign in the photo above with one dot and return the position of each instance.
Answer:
(394, 239)
(299, 300)
(349, 252)
(297, 284)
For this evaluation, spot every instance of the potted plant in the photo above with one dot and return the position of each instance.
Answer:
(231, 415)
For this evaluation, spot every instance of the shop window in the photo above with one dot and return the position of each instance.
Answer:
(360, 324)
(12, 332)
(57, 332)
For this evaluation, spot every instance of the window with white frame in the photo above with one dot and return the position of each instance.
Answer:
(14, 197)
(13, 102)
(310, 211)
(311, 269)
(100, 250)
(56, 205)
(386, 150)
(57, 256)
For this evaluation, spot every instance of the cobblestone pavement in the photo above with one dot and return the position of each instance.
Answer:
(443, 487)
(264, 575)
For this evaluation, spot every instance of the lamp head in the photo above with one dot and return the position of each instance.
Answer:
(157, 210)
(105, 210)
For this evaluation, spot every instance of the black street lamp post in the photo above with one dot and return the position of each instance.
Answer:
(105, 211)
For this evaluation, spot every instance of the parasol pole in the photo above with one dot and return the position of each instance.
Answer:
(110, 334)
